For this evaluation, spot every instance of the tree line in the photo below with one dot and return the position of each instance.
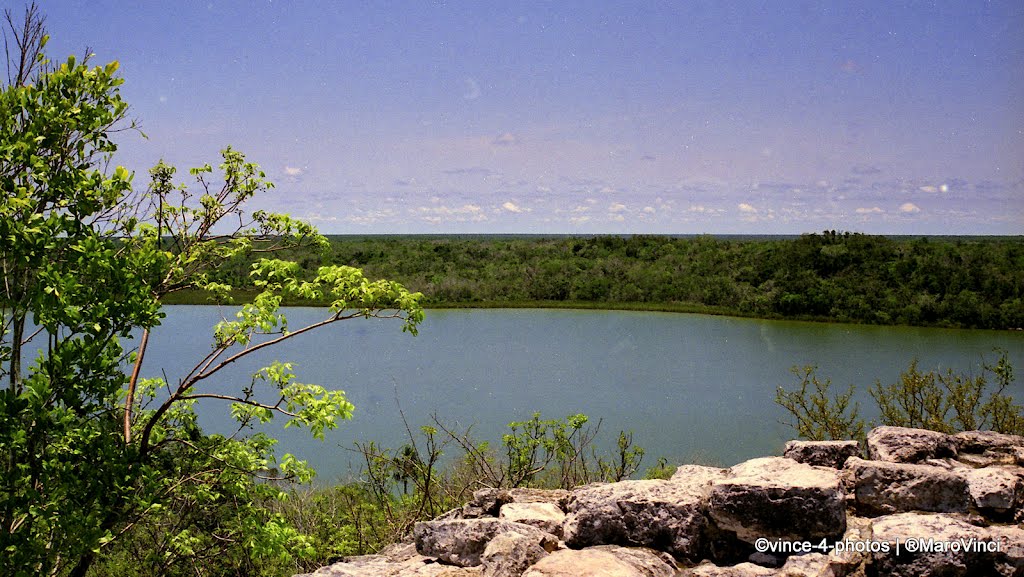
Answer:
(846, 277)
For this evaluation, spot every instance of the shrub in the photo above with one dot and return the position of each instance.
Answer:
(820, 417)
(946, 402)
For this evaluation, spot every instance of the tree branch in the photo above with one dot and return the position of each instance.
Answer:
(184, 387)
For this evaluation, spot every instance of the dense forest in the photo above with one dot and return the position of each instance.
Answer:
(849, 277)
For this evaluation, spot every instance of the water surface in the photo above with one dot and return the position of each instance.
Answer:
(690, 387)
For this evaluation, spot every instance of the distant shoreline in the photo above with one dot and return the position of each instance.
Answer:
(730, 236)
(949, 281)
(201, 298)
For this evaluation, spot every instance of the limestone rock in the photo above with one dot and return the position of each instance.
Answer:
(846, 560)
(462, 541)
(948, 491)
(822, 453)
(529, 495)
(778, 498)
(545, 516)
(997, 488)
(509, 554)
(699, 475)
(987, 448)
(1010, 558)
(808, 565)
(603, 561)
(988, 459)
(882, 487)
(665, 515)
(933, 528)
(981, 441)
(709, 569)
(395, 561)
(906, 445)
(486, 503)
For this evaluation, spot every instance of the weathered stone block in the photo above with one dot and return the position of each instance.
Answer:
(882, 487)
(906, 445)
(822, 453)
(988, 448)
(509, 554)
(604, 561)
(740, 570)
(967, 557)
(395, 561)
(664, 515)
(462, 541)
(778, 498)
(699, 475)
(544, 516)
(1000, 489)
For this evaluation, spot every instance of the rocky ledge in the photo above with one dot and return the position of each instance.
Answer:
(922, 503)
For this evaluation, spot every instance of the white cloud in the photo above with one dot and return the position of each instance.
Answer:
(579, 219)
(744, 207)
(929, 188)
(318, 217)
(506, 139)
(618, 217)
(649, 209)
(445, 210)
(872, 210)
(366, 217)
(511, 207)
(909, 208)
(616, 207)
(292, 171)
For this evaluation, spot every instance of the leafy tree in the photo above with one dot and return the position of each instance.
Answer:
(89, 451)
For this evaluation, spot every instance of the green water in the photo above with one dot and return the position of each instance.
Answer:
(690, 387)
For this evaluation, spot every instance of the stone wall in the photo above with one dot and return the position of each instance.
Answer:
(922, 503)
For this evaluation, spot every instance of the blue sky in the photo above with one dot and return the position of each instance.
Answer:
(584, 117)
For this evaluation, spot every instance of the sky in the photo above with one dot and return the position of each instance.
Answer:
(566, 117)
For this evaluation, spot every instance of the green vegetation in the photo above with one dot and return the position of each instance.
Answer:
(973, 283)
(946, 402)
(94, 461)
(820, 417)
(397, 487)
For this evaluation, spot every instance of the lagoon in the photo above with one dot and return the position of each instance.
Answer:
(690, 387)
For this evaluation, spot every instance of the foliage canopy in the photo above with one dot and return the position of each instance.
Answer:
(846, 277)
(89, 451)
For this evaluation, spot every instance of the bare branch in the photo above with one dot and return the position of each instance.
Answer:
(276, 407)
(186, 385)
(28, 44)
